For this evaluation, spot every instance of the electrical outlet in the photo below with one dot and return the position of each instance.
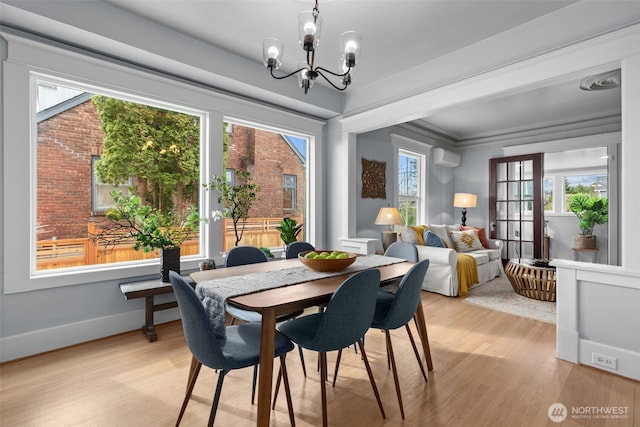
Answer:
(606, 361)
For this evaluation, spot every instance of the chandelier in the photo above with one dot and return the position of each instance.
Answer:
(309, 28)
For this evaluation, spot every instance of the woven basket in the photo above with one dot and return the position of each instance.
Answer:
(584, 241)
(532, 282)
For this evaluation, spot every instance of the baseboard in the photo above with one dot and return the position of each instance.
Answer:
(627, 363)
(40, 341)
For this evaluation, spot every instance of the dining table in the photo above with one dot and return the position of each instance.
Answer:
(279, 299)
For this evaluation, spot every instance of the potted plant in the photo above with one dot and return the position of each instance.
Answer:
(289, 230)
(149, 228)
(236, 199)
(590, 211)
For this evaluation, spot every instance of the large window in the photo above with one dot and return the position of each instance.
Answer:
(74, 78)
(560, 187)
(409, 191)
(89, 145)
(277, 163)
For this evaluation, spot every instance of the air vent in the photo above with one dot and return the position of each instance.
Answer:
(608, 80)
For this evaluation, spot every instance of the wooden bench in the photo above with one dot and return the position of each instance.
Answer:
(148, 290)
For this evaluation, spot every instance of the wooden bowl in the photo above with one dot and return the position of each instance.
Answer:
(326, 265)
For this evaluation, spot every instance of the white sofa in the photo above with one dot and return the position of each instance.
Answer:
(442, 275)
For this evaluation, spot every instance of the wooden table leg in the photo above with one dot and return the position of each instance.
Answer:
(265, 376)
(148, 328)
(422, 331)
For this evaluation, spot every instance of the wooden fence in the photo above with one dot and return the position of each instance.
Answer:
(64, 253)
(258, 232)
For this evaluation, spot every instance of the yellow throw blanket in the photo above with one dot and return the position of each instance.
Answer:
(467, 273)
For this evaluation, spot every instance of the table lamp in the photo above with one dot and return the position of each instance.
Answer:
(464, 201)
(388, 216)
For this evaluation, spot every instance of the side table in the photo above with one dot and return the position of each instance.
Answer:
(532, 281)
(593, 254)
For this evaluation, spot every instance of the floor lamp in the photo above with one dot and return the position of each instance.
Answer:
(464, 201)
(388, 216)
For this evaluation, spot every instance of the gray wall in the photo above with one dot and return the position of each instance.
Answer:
(471, 176)
(373, 146)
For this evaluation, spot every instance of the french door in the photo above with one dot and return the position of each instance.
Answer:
(516, 210)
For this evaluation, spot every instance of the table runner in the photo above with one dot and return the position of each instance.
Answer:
(215, 292)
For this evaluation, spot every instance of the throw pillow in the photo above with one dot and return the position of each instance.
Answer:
(466, 241)
(482, 234)
(408, 234)
(441, 231)
(419, 229)
(432, 239)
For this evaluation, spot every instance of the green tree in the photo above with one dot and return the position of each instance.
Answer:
(236, 199)
(159, 148)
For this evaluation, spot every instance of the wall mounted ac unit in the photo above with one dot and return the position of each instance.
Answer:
(445, 158)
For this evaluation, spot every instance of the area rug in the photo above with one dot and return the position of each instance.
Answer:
(498, 294)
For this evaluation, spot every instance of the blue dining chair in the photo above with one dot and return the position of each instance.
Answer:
(394, 312)
(347, 317)
(245, 255)
(403, 250)
(241, 348)
(293, 249)
(398, 312)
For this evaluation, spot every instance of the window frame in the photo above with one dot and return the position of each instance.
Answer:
(558, 192)
(294, 188)
(420, 150)
(96, 210)
(28, 59)
(410, 199)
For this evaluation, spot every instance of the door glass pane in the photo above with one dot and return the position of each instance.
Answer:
(527, 169)
(514, 230)
(527, 230)
(527, 190)
(513, 249)
(501, 210)
(514, 190)
(501, 230)
(527, 250)
(514, 171)
(501, 171)
(501, 191)
(514, 210)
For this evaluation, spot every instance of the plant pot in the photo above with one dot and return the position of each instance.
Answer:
(169, 261)
(585, 241)
(207, 264)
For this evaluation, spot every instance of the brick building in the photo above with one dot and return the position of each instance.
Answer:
(70, 140)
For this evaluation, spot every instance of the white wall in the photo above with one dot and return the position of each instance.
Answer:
(598, 312)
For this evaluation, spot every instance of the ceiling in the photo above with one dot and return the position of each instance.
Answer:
(398, 35)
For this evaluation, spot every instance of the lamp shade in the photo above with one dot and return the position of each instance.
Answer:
(464, 200)
(350, 45)
(309, 29)
(388, 216)
(272, 50)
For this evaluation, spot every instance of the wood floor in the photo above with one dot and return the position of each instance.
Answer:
(490, 369)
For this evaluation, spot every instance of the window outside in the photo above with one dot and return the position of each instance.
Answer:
(90, 145)
(289, 192)
(408, 186)
(593, 184)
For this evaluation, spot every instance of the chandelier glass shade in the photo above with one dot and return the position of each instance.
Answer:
(309, 31)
